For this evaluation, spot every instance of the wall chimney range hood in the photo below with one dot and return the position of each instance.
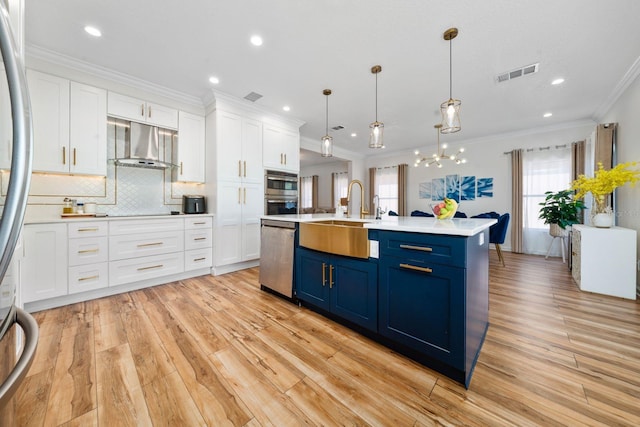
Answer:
(142, 146)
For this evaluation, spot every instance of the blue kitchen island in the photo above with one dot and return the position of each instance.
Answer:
(421, 289)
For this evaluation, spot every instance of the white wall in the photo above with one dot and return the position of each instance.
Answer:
(324, 171)
(626, 112)
(485, 159)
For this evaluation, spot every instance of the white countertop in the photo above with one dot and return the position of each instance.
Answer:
(58, 219)
(415, 224)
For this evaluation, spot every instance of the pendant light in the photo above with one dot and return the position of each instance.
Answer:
(450, 109)
(326, 149)
(439, 155)
(377, 128)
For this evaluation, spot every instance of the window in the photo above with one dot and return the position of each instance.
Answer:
(340, 186)
(542, 170)
(386, 187)
(306, 192)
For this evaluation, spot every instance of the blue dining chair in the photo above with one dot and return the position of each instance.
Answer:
(421, 213)
(498, 231)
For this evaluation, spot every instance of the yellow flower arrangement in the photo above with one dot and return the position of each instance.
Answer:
(605, 181)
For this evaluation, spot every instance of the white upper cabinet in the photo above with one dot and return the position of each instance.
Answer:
(88, 132)
(191, 146)
(69, 125)
(252, 169)
(281, 149)
(50, 114)
(142, 111)
(239, 148)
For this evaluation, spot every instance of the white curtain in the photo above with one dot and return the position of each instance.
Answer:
(306, 192)
(340, 186)
(386, 187)
(542, 170)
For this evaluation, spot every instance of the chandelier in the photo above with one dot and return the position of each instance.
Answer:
(377, 128)
(326, 147)
(450, 109)
(439, 155)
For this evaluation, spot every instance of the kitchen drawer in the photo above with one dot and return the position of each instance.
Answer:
(195, 222)
(89, 250)
(197, 239)
(145, 244)
(136, 269)
(88, 277)
(424, 248)
(88, 229)
(135, 226)
(197, 258)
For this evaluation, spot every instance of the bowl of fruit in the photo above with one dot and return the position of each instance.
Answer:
(445, 209)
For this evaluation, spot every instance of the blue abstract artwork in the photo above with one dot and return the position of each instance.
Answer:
(453, 187)
(485, 187)
(424, 190)
(468, 188)
(437, 189)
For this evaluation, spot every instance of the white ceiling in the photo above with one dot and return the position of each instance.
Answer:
(313, 45)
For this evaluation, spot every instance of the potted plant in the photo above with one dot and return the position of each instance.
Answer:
(560, 210)
(601, 185)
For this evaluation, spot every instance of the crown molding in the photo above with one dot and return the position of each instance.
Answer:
(37, 52)
(624, 83)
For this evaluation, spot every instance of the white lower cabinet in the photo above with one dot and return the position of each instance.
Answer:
(44, 268)
(88, 256)
(88, 277)
(142, 268)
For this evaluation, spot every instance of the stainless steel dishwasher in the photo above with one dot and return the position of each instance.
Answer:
(277, 240)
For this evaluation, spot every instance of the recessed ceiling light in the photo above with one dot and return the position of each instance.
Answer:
(286, 108)
(547, 115)
(93, 31)
(558, 81)
(214, 80)
(256, 40)
(353, 135)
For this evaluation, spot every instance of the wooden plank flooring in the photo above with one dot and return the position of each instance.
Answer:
(217, 351)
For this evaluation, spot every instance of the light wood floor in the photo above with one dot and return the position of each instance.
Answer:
(217, 351)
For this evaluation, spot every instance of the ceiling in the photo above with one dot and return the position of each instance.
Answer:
(313, 45)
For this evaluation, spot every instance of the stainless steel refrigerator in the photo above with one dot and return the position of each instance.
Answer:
(15, 132)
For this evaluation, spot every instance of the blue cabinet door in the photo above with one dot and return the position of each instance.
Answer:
(422, 309)
(312, 277)
(354, 295)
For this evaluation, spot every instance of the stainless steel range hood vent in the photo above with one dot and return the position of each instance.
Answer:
(143, 146)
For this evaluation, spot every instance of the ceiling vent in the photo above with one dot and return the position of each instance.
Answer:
(253, 97)
(339, 127)
(518, 72)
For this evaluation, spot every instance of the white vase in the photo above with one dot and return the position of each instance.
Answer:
(602, 220)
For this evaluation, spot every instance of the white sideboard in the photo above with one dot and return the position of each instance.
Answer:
(604, 260)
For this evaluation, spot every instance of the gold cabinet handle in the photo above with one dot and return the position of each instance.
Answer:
(200, 238)
(180, 168)
(245, 168)
(281, 158)
(199, 223)
(245, 195)
(150, 267)
(89, 251)
(331, 276)
(74, 157)
(239, 195)
(240, 168)
(64, 155)
(143, 245)
(87, 229)
(199, 259)
(142, 110)
(324, 274)
(417, 248)
(414, 267)
(149, 110)
(82, 279)
(285, 158)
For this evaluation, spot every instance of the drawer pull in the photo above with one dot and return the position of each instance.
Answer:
(324, 274)
(87, 229)
(142, 245)
(417, 248)
(150, 267)
(414, 267)
(89, 251)
(199, 223)
(82, 279)
(199, 259)
(331, 282)
(200, 238)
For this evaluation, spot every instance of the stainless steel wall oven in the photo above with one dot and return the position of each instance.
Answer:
(281, 193)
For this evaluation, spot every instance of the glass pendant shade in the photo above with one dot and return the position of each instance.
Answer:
(450, 116)
(376, 135)
(326, 143)
(326, 148)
